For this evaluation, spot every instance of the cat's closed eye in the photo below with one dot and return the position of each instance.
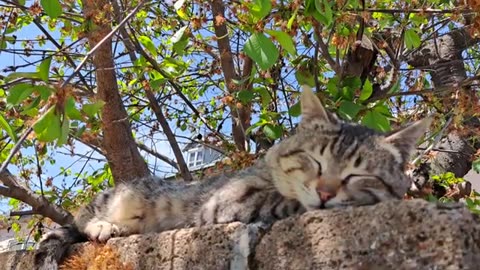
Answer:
(319, 169)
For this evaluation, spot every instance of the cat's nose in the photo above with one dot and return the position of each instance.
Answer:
(325, 195)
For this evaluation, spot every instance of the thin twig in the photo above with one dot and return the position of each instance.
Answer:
(66, 55)
(435, 142)
(23, 213)
(17, 146)
(14, 151)
(92, 51)
(418, 10)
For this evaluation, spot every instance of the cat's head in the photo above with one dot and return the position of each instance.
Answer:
(329, 163)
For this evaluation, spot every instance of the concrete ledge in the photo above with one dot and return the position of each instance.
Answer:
(394, 235)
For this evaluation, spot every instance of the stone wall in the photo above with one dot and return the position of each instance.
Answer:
(394, 235)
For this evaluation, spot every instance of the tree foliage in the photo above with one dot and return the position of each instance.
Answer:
(228, 71)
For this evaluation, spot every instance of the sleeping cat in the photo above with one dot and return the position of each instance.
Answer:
(327, 163)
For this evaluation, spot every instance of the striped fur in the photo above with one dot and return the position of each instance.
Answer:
(325, 164)
(153, 205)
(329, 163)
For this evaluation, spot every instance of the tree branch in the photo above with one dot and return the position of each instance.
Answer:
(240, 116)
(158, 155)
(38, 203)
(181, 165)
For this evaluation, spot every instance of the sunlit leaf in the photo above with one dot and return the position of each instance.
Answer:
(72, 111)
(273, 131)
(148, 43)
(92, 109)
(15, 75)
(245, 96)
(366, 91)
(292, 19)
(375, 120)
(261, 50)
(260, 8)
(19, 93)
(412, 39)
(52, 8)
(264, 95)
(47, 127)
(295, 110)
(65, 128)
(179, 4)
(44, 69)
(476, 165)
(44, 91)
(349, 110)
(325, 14)
(285, 41)
(5, 126)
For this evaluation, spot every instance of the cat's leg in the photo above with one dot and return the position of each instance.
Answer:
(248, 200)
(121, 214)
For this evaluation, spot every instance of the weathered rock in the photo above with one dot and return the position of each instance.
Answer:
(407, 235)
(410, 235)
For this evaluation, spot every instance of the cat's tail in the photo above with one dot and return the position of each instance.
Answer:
(54, 246)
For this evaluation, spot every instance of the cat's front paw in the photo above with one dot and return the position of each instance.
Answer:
(101, 231)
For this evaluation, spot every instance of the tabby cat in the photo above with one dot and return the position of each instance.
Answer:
(327, 163)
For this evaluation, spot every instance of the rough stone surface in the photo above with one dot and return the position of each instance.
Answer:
(406, 235)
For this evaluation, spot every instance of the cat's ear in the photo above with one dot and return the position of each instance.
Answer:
(406, 138)
(311, 106)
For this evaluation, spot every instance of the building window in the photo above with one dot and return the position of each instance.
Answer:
(195, 157)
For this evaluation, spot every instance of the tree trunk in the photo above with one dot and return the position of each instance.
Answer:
(442, 56)
(154, 105)
(121, 150)
(240, 114)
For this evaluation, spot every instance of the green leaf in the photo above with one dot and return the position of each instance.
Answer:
(320, 10)
(476, 165)
(377, 121)
(349, 110)
(273, 131)
(52, 8)
(72, 111)
(44, 69)
(305, 77)
(260, 8)
(366, 91)
(173, 67)
(261, 50)
(285, 41)
(332, 87)
(265, 96)
(16, 75)
(245, 96)
(180, 40)
(19, 92)
(412, 39)
(92, 109)
(325, 14)
(292, 19)
(16, 227)
(48, 127)
(148, 43)
(178, 35)
(295, 110)
(32, 106)
(44, 91)
(5, 126)
(63, 138)
(178, 4)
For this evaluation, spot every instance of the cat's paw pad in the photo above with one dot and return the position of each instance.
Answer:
(101, 230)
